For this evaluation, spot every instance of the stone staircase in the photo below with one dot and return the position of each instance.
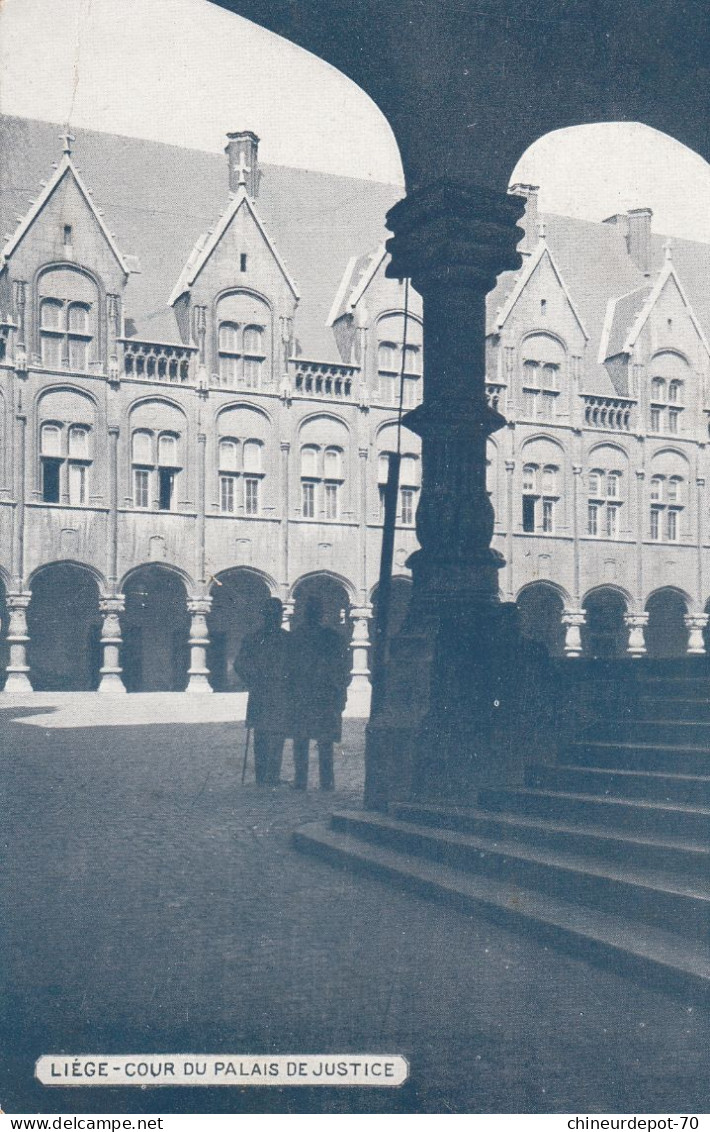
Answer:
(606, 852)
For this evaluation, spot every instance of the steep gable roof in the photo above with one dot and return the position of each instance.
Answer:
(666, 275)
(542, 251)
(65, 168)
(358, 275)
(209, 241)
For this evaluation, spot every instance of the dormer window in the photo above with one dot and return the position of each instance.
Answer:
(65, 334)
(241, 355)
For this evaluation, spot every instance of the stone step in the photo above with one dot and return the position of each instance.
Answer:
(681, 859)
(697, 687)
(638, 756)
(635, 817)
(652, 954)
(668, 708)
(658, 731)
(653, 897)
(685, 789)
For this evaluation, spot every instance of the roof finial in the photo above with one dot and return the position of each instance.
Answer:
(541, 229)
(668, 249)
(67, 138)
(242, 168)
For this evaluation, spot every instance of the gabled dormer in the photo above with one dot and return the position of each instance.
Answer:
(368, 321)
(64, 274)
(540, 337)
(235, 298)
(654, 331)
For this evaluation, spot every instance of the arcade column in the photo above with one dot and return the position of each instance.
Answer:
(199, 640)
(434, 736)
(111, 641)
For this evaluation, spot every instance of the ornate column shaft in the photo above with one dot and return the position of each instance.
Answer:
(360, 689)
(18, 682)
(695, 623)
(111, 641)
(452, 242)
(573, 620)
(636, 623)
(199, 640)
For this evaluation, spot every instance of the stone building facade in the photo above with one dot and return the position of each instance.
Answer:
(196, 409)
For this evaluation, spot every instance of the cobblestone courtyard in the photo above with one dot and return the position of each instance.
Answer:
(151, 903)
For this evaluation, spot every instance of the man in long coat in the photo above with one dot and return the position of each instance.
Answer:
(263, 665)
(319, 681)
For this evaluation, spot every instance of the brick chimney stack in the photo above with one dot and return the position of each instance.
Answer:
(639, 238)
(636, 228)
(242, 151)
(531, 220)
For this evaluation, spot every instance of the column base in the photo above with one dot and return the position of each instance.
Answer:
(464, 708)
(199, 684)
(17, 683)
(111, 684)
(359, 697)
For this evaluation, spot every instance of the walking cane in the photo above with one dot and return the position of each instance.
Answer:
(246, 755)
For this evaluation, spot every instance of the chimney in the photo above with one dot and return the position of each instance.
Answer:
(242, 151)
(639, 238)
(530, 220)
(635, 226)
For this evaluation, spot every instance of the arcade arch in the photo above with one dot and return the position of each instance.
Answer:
(64, 628)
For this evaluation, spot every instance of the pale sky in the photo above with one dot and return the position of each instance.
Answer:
(186, 72)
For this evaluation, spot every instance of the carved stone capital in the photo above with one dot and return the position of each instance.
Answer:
(452, 235)
(199, 606)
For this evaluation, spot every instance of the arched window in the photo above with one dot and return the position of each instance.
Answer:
(143, 461)
(51, 461)
(395, 360)
(541, 491)
(542, 361)
(530, 478)
(51, 335)
(78, 465)
(604, 503)
(74, 482)
(51, 440)
(168, 468)
(332, 479)
(253, 356)
(65, 320)
(142, 447)
(309, 461)
(409, 488)
(229, 354)
(669, 371)
(78, 336)
(228, 452)
(666, 492)
(167, 450)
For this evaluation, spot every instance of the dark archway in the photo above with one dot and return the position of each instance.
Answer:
(333, 597)
(604, 635)
(238, 596)
(64, 627)
(666, 634)
(541, 606)
(155, 627)
(401, 595)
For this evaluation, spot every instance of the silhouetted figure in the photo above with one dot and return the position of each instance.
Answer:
(319, 679)
(263, 665)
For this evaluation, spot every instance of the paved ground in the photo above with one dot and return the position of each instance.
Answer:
(151, 904)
